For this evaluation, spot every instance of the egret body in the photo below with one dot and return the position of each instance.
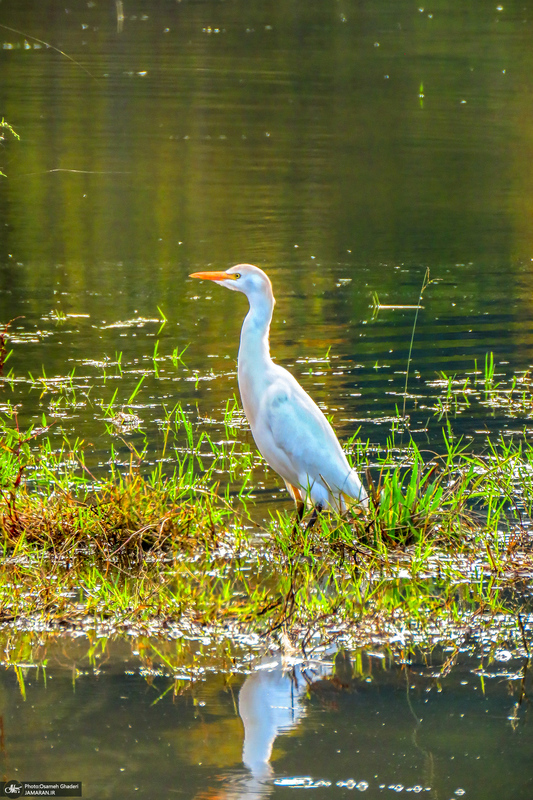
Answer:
(289, 429)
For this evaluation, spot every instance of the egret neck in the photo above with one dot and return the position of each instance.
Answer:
(254, 361)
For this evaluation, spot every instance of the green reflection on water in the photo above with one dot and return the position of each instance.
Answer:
(114, 719)
(291, 136)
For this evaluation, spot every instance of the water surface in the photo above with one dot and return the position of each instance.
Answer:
(354, 722)
(343, 147)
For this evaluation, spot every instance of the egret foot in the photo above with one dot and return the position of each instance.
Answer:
(300, 508)
(314, 516)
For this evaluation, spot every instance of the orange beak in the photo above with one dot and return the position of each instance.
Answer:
(212, 276)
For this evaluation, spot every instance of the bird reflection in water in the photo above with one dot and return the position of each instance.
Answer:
(270, 703)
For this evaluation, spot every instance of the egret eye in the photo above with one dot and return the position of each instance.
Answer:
(236, 275)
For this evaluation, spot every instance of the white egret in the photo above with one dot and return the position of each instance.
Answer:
(291, 432)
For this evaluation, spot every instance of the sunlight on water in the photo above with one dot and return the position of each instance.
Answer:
(357, 723)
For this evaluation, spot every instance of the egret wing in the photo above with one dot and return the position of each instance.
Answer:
(297, 439)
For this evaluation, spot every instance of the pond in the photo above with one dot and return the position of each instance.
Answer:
(343, 148)
(111, 716)
(346, 148)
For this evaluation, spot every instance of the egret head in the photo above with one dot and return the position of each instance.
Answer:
(243, 278)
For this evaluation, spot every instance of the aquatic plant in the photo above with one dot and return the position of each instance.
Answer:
(139, 550)
(157, 538)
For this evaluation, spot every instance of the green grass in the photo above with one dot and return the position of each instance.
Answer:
(167, 538)
(446, 541)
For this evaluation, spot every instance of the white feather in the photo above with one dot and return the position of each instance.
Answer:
(290, 430)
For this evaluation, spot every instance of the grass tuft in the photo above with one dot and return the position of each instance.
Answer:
(155, 549)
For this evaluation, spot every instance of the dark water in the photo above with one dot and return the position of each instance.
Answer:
(338, 727)
(344, 147)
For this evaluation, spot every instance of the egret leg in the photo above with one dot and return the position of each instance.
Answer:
(314, 516)
(300, 508)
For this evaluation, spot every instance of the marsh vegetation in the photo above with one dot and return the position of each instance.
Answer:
(178, 540)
